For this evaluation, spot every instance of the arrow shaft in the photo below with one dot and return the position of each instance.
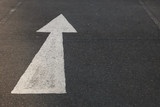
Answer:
(46, 72)
(53, 51)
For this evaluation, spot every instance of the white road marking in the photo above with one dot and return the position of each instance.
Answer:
(155, 20)
(46, 74)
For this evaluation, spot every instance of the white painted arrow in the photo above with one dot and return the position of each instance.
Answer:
(46, 74)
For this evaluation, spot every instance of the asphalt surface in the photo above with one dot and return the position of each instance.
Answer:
(113, 60)
(153, 6)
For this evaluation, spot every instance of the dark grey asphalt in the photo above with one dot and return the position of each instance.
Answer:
(113, 60)
(153, 6)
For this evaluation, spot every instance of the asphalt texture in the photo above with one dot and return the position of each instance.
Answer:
(113, 60)
(153, 6)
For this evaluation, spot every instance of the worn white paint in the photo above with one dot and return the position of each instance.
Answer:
(4, 19)
(150, 14)
(46, 74)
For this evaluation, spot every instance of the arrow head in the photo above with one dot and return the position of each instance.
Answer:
(59, 24)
